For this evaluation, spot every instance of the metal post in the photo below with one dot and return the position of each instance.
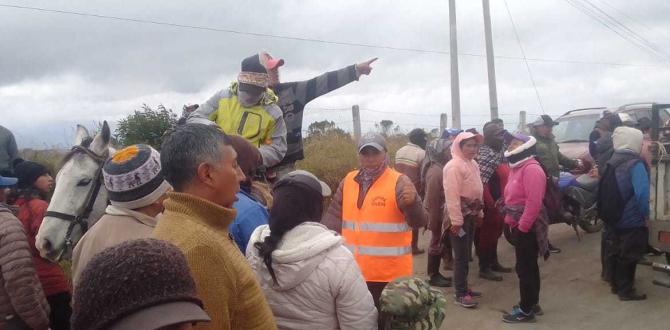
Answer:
(453, 52)
(443, 122)
(522, 122)
(357, 122)
(490, 61)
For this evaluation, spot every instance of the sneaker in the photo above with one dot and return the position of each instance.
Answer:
(440, 281)
(632, 297)
(489, 275)
(518, 316)
(473, 294)
(537, 310)
(465, 301)
(498, 268)
(554, 249)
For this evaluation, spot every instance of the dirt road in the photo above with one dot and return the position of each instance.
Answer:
(572, 296)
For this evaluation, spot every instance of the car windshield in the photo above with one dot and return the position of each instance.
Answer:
(575, 129)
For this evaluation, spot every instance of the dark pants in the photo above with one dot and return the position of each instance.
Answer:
(415, 238)
(376, 289)
(462, 248)
(486, 238)
(440, 246)
(527, 270)
(607, 253)
(629, 246)
(59, 319)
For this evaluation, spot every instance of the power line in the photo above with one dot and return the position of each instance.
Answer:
(629, 31)
(523, 53)
(612, 26)
(305, 39)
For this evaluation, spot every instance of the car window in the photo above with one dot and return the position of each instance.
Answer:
(638, 114)
(575, 129)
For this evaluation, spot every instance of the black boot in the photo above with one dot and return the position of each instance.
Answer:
(436, 279)
(497, 267)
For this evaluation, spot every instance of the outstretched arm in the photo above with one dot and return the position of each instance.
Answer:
(308, 90)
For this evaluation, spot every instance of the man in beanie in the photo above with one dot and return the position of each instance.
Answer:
(411, 304)
(248, 108)
(294, 96)
(375, 209)
(22, 301)
(494, 173)
(136, 187)
(200, 164)
(623, 204)
(408, 160)
(142, 284)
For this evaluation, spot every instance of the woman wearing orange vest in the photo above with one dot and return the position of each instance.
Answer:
(375, 209)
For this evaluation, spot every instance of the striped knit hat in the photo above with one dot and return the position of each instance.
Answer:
(133, 177)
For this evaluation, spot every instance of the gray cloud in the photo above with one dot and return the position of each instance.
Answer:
(60, 69)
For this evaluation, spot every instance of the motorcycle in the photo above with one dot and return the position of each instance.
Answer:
(579, 198)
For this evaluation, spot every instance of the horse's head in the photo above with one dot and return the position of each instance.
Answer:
(75, 203)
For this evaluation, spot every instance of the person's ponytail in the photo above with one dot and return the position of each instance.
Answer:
(265, 249)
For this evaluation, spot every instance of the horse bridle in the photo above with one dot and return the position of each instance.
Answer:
(82, 216)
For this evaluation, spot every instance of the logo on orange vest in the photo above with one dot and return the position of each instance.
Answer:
(379, 201)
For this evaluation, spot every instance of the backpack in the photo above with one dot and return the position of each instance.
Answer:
(552, 198)
(610, 203)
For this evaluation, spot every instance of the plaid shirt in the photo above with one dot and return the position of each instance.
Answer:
(488, 160)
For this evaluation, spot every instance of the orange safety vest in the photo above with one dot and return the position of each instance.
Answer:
(377, 233)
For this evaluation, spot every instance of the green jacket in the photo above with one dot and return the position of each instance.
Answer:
(551, 158)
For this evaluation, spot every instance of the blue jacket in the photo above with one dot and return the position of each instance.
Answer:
(250, 215)
(633, 181)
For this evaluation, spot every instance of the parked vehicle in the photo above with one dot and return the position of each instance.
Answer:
(579, 199)
(659, 201)
(572, 134)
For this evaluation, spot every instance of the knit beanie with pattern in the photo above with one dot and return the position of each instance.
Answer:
(138, 284)
(134, 178)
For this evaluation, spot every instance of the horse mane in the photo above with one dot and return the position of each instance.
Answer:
(86, 143)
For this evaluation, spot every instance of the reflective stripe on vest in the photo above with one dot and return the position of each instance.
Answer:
(377, 234)
(254, 124)
(376, 226)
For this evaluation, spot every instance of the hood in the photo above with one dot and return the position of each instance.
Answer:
(298, 254)
(456, 151)
(627, 138)
(8, 208)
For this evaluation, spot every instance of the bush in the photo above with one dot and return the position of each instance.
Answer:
(146, 126)
(332, 156)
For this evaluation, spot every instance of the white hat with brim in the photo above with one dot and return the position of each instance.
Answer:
(159, 316)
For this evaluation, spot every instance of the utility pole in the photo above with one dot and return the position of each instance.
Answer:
(453, 53)
(443, 122)
(490, 61)
(357, 122)
(522, 122)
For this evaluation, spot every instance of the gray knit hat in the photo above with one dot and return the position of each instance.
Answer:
(140, 284)
(133, 177)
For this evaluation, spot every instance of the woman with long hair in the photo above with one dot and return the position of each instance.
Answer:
(34, 185)
(310, 280)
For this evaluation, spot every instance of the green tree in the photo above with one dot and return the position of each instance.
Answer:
(385, 127)
(145, 126)
(324, 128)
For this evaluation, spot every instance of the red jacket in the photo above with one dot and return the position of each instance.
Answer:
(51, 275)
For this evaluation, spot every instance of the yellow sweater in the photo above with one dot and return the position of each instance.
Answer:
(225, 282)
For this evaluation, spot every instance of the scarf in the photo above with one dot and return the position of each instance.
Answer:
(367, 176)
(488, 160)
(541, 226)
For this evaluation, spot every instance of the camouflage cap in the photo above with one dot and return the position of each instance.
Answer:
(411, 304)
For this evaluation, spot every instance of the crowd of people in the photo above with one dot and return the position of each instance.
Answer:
(219, 230)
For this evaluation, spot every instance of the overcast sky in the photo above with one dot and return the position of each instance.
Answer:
(57, 69)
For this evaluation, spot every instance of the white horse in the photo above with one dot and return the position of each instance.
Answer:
(80, 197)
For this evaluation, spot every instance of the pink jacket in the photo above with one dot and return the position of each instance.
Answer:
(526, 186)
(461, 178)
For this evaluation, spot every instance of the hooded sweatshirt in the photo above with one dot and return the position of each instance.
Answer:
(319, 283)
(462, 179)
